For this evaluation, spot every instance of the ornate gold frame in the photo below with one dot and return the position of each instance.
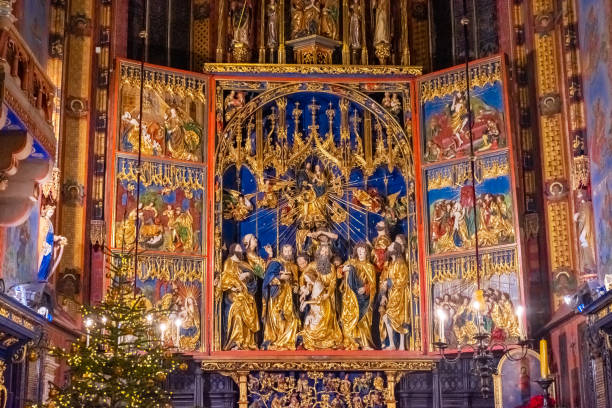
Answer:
(281, 69)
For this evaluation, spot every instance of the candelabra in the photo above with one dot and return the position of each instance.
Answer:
(483, 352)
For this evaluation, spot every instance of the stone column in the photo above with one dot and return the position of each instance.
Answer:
(554, 149)
(76, 141)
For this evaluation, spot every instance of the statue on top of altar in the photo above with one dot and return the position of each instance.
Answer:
(240, 29)
(315, 17)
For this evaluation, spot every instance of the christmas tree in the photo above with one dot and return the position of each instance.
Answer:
(122, 361)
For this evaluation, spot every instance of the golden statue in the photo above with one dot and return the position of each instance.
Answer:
(236, 206)
(312, 17)
(357, 300)
(236, 290)
(182, 136)
(464, 327)
(504, 316)
(281, 323)
(125, 234)
(381, 242)
(329, 19)
(321, 329)
(395, 303)
(288, 261)
(257, 263)
(183, 228)
(297, 18)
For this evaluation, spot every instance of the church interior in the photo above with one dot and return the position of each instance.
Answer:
(305, 203)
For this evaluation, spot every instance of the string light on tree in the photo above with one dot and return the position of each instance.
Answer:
(122, 361)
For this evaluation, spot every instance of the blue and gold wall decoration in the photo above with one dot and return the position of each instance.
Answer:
(315, 197)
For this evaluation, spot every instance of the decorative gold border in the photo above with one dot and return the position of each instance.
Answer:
(313, 365)
(11, 312)
(453, 80)
(218, 68)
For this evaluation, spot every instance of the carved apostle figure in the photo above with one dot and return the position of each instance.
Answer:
(380, 244)
(395, 301)
(236, 289)
(358, 300)
(281, 323)
(251, 246)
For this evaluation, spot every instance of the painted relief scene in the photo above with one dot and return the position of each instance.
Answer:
(177, 287)
(455, 318)
(445, 119)
(452, 220)
(173, 115)
(317, 389)
(169, 211)
(314, 250)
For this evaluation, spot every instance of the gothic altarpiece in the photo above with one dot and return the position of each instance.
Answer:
(299, 212)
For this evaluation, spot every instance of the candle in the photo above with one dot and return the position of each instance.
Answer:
(441, 318)
(88, 323)
(519, 315)
(162, 328)
(178, 323)
(544, 359)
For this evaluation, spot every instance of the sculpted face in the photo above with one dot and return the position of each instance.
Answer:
(325, 251)
(238, 252)
(287, 252)
(361, 253)
(302, 262)
(252, 243)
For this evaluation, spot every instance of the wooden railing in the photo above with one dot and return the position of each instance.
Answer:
(24, 67)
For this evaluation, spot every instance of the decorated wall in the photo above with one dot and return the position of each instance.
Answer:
(165, 200)
(595, 36)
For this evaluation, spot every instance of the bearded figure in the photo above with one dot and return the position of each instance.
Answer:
(321, 329)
